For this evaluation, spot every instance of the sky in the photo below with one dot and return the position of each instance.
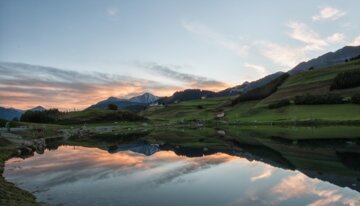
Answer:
(70, 54)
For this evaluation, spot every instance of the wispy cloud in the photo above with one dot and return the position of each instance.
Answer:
(303, 33)
(188, 80)
(260, 70)
(285, 56)
(328, 13)
(24, 85)
(111, 12)
(356, 41)
(237, 46)
(336, 38)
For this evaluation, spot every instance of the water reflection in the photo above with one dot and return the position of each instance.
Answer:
(141, 174)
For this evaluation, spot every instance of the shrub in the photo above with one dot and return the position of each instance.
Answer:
(355, 99)
(200, 107)
(346, 80)
(281, 103)
(318, 99)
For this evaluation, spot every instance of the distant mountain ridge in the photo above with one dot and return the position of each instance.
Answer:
(38, 108)
(247, 86)
(191, 94)
(136, 103)
(12, 113)
(328, 59)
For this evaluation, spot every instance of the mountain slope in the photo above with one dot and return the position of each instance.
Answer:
(327, 59)
(188, 94)
(137, 103)
(247, 86)
(38, 108)
(145, 98)
(315, 82)
(10, 113)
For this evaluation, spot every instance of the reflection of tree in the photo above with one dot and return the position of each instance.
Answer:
(350, 159)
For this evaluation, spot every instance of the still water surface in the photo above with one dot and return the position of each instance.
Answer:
(73, 175)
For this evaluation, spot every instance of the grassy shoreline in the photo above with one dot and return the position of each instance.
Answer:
(10, 194)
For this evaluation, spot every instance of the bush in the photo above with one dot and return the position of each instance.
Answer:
(46, 116)
(318, 99)
(281, 103)
(200, 107)
(355, 99)
(346, 80)
(112, 107)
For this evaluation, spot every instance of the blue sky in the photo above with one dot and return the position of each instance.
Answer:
(220, 42)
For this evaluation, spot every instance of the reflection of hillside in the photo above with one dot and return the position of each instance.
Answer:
(333, 160)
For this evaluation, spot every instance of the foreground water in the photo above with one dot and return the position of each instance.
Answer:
(149, 175)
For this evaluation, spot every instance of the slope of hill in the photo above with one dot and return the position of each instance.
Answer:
(315, 82)
(327, 59)
(248, 86)
(189, 94)
(263, 91)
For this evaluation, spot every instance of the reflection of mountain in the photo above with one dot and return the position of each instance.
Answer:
(321, 161)
(145, 149)
(335, 161)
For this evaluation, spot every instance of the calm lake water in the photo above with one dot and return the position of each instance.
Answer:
(149, 175)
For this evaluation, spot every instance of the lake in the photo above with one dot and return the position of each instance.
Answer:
(276, 172)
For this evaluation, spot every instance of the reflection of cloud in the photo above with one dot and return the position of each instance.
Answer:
(24, 85)
(299, 185)
(72, 164)
(267, 172)
(191, 165)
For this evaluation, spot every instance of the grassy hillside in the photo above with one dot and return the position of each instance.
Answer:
(203, 109)
(313, 82)
(250, 112)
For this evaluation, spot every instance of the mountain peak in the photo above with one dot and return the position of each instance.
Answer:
(328, 59)
(146, 98)
(38, 108)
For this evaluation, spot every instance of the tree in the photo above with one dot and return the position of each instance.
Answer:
(346, 80)
(112, 107)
